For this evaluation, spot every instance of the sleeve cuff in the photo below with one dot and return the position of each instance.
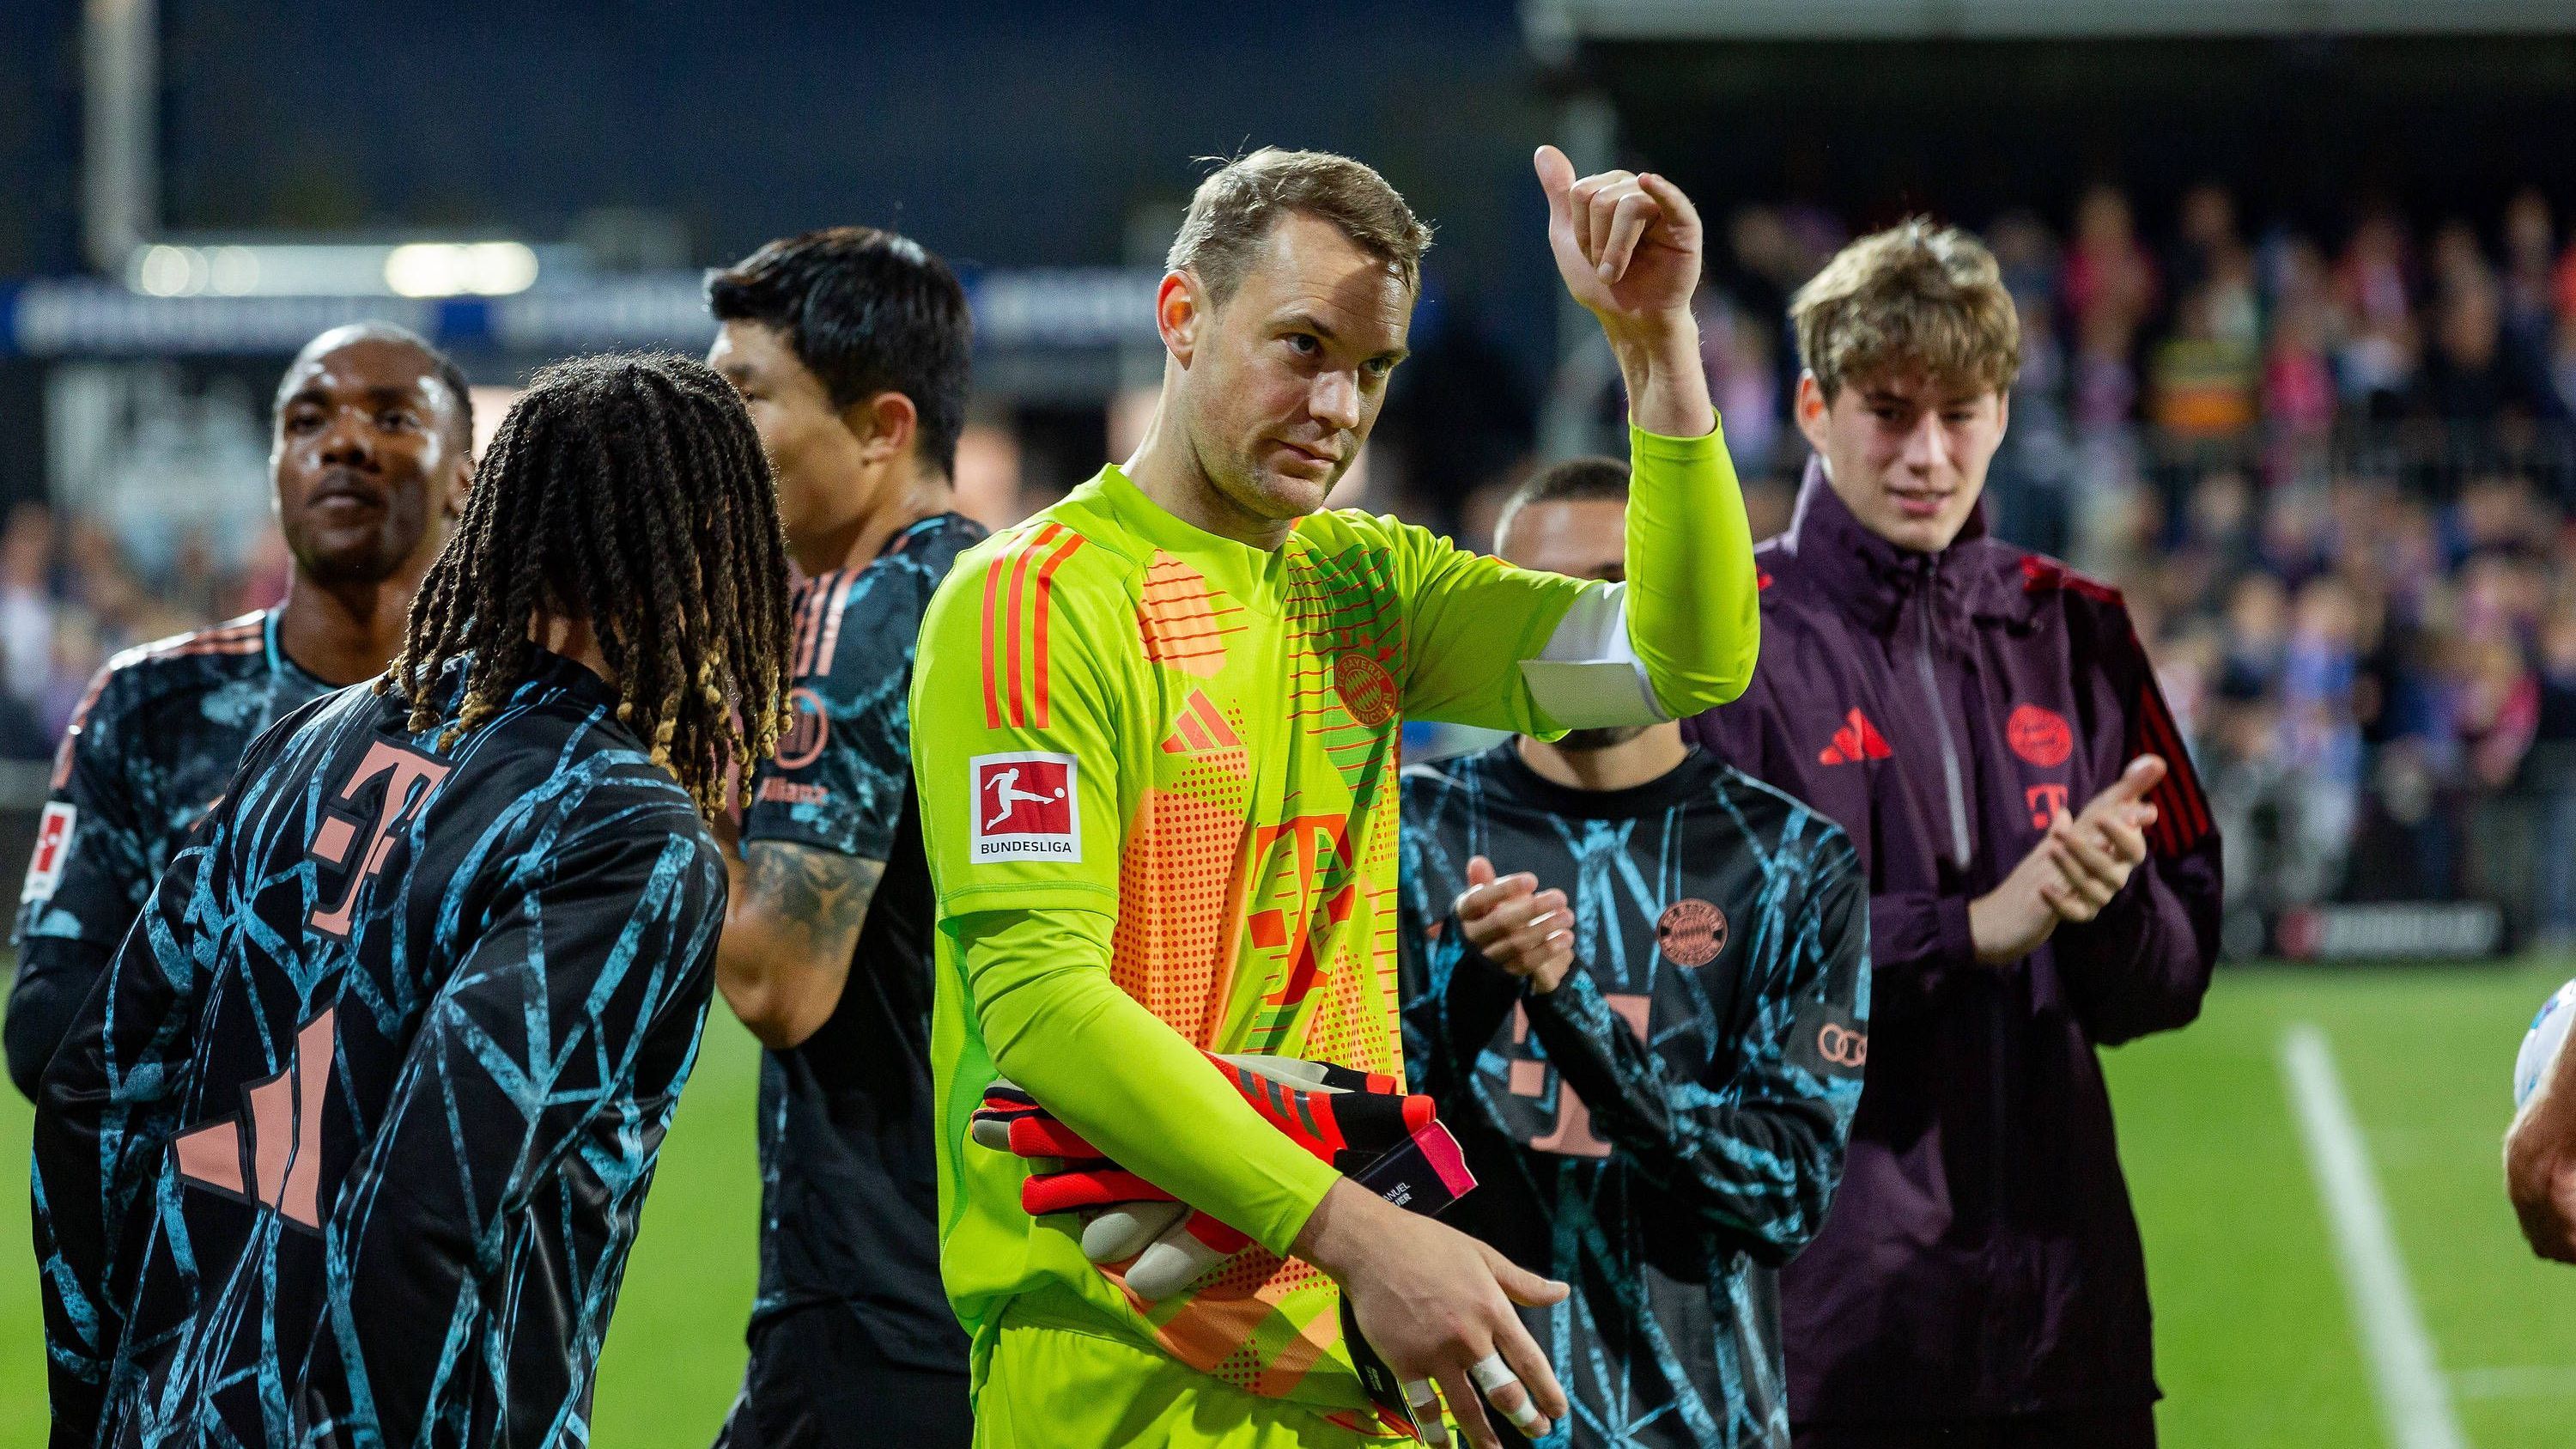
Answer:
(1707, 446)
(1950, 926)
(1305, 1195)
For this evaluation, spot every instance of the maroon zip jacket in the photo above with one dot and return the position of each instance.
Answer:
(1981, 1258)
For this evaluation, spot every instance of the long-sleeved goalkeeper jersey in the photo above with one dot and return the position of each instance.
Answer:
(1666, 1126)
(1158, 794)
(350, 1148)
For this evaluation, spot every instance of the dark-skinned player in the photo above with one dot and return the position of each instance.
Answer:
(370, 454)
(350, 1145)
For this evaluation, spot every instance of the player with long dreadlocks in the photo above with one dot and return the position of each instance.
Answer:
(351, 1146)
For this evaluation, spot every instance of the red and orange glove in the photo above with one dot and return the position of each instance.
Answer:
(1344, 1117)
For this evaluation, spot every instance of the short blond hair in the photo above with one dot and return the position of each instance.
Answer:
(1235, 207)
(1913, 296)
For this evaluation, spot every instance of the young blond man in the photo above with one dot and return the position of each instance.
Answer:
(1156, 734)
(2043, 880)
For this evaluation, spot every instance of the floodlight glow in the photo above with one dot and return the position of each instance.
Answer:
(446, 269)
(168, 271)
(232, 271)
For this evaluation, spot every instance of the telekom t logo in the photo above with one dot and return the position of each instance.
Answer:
(342, 823)
(1573, 1135)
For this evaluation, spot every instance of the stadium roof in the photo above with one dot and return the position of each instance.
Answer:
(1558, 22)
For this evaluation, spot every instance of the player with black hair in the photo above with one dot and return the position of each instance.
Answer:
(850, 345)
(351, 1145)
(1637, 984)
(371, 453)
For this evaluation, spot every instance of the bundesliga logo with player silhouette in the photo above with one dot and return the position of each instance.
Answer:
(1025, 808)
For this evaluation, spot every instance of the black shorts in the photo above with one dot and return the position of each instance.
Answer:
(2093, 1429)
(817, 1381)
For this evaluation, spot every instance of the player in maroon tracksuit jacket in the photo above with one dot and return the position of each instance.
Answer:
(2043, 880)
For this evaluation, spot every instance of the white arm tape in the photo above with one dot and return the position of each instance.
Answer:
(1587, 678)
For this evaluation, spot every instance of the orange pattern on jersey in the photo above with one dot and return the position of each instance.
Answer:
(1350, 1024)
(1184, 623)
(1171, 950)
(1214, 1332)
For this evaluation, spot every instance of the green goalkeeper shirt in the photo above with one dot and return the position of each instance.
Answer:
(1157, 774)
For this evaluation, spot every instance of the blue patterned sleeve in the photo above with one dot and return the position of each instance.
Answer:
(841, 774)
(1756, 1149)
(112, 1100)
(90, 873)
(551, 1059)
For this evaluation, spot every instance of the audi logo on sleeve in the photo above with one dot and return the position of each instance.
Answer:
(1026, 807)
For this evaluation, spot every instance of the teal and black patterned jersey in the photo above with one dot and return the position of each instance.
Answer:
(1666, 1127)
(350, 1147)
(152, 744)
(849, 1186)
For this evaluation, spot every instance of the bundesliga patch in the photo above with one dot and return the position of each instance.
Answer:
(53, 847)
(1026, 807)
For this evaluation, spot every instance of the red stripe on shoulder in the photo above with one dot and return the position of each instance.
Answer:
(992, 604)
(1046, 589)
(2042, 575)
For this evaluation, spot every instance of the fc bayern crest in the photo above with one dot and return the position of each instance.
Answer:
(1691, 932)
(2038, 735)
(1367, 690)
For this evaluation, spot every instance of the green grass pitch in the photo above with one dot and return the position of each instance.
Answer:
(2255, 1345)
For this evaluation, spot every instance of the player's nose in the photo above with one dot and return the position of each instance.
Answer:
(1335, 399)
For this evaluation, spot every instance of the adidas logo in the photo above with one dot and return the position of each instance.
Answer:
(1201, 729)
(271, 1152)
(1856, 741)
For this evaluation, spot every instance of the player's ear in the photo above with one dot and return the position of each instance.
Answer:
(885, 424)
(459, 485)
(1177, 314)
(1810, 409)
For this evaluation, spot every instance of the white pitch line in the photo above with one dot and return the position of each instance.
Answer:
(2414, 1400)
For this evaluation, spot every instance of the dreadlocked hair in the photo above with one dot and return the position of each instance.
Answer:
(628, 490)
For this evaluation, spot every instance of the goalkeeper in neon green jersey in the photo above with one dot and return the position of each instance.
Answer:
(1155, 741)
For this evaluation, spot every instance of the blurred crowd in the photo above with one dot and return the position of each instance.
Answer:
(2334, 476)
(71, 597)
(2333, 473)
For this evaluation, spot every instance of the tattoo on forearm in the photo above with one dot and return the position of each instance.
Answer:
(822, 893)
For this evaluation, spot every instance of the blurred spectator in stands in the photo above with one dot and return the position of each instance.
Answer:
(2298, 382)
(264, 574)
(2028, 486)
(2529, 259)
(23, 736)
(2205, 375)
(27, 601)
(2240, 759)
(2375, 358)
(2109, 283)
(1769, 501)
(2469, 376)
(1743, 378)
(2321, 740)
(73, 656)
(2256, 630)
(198, 584)
(2550, 778)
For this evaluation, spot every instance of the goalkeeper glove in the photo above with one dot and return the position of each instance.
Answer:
(1344, 1117)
